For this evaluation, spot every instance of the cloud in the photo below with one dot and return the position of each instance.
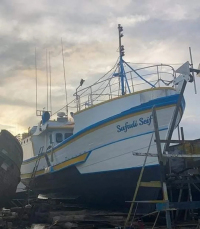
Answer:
(154, 32)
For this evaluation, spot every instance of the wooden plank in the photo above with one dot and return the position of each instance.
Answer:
(153, 184)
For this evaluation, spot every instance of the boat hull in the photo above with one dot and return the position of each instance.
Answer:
(11, 157)
(107, 189)
(101, 164)
(8, 183)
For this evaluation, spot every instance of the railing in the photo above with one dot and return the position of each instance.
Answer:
(109, 88)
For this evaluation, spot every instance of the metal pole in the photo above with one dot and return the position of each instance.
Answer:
(157, 135)
(138, 74)
(156, 220)
(179, 199)
(158, 77)
(77, 99)
(50, 81)
(91, 98)
(110, 90)
(162, 172)
(120, 60)
(63, 59)
(47, 81)
(182, 134)
(190, 195)
(36, 79)
(195, 88)
(134, 214)
(138, 184)
(119, 86)
(178, 128)
(182, 138)
(132, 81)
(189, 186)
(174, 117)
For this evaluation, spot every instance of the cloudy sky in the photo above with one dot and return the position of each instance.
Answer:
(154, 32)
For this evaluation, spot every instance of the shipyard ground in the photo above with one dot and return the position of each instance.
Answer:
(43, 214)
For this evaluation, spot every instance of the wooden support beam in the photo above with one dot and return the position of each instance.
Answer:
(148, 201)
(153, 184)
(175, 141)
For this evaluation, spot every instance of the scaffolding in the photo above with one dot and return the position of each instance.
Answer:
(185, 180)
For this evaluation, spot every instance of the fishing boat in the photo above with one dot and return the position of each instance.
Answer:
(11, 157)
(96, 156)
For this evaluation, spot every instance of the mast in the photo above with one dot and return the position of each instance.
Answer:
(50, 81)
(47, 81)
(122, 73)
(36, 80)
(121, 54)
(64, 79)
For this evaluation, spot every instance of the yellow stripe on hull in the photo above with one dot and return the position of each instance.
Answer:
(72, 161)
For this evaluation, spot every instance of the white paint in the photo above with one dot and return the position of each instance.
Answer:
(105, 110)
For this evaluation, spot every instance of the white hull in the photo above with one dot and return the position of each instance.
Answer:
(109, 146)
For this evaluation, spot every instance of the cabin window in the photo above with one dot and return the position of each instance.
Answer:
(50, 138)
(67, 135)
(59, 137)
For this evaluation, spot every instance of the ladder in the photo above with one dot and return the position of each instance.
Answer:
(36, 166)
(155, 184)
(31, 180)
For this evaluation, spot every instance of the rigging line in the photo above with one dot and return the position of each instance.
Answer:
(110, 76)
(36, 79)
(101, 92)
(50, 81)
(152, 66)
(47, 80)
(74, 100)
(109, 70)
(64, 79)
(124, 73)
(83, 92)
(155, 63)
(138, 74)
(105, 81)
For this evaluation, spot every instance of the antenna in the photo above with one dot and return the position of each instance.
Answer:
(36, 79)
(47, 80)
(40, 112)
(195, 88)
(50, 81)
(64, 79)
